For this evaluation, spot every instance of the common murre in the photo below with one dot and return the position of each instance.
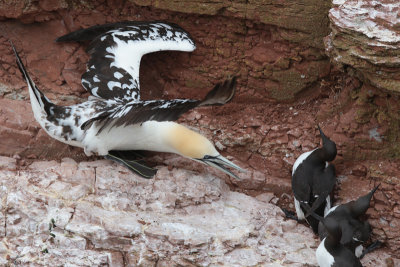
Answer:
(355, 232)
(313, 179)
(330, 252)
(114, 118)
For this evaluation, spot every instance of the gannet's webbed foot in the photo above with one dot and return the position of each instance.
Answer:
(136, 166)
(290, 214)
(370, 248)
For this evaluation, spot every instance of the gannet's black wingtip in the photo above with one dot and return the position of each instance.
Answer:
(79, 35)
(43, 101)
(221, 94)
(135, 166)
(85, 34)
(18, 60)
(90, 33)
(22, 69)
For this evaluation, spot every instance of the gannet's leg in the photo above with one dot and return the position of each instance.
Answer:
(95, 150)
(87, 152)
(135, 166)
(93, 145)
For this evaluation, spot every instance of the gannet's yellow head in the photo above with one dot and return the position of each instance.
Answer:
(190, 144)
(193, 145)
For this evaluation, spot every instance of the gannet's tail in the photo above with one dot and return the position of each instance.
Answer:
(40, 103)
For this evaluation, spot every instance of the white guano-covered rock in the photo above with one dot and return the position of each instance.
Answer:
(99, 214)
(366, 36)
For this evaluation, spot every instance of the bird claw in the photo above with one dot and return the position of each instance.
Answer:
(370, 248)
(290, 215)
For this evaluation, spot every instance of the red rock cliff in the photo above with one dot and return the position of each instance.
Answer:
(287, 85)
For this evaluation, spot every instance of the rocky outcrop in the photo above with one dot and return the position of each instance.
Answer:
(277, 50)
(97, 214)
(366, 37)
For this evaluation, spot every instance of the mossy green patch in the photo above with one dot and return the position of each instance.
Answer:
(293, 81)
(202, 7)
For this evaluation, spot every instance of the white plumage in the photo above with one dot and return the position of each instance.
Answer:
(324, 258)
(115, 118)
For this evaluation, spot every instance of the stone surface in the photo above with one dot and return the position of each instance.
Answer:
(267, 146)
(270, 45)
(98, 214)
(366, 36)
(276, 48)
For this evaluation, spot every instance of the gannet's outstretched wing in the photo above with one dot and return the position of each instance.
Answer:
(158, 110)
(116, 50)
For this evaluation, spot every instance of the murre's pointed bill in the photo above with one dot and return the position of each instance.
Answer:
(328, 145)
(115, 118)
(361, 205)
(323, 136)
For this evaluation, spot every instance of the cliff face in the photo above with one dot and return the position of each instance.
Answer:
(286, 86)
(365, 37)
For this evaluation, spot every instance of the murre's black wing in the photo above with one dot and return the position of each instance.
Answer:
(159, 110)
(303, 173)
(301, 183)
(323, 183)
(116, 50)
(347, 228)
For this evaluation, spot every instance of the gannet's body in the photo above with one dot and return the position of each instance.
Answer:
(114, 118)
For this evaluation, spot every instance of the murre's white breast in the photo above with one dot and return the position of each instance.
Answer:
(300, 159)
(324, 258)
(330, 210)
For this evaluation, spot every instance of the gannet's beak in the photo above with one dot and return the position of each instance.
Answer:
(221, 163)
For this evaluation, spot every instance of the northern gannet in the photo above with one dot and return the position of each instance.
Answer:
(114, 118)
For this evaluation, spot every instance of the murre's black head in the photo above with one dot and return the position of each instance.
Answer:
(362, 231)
(333, 228)
(360, 206)
(335, 253)
(329, 147)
